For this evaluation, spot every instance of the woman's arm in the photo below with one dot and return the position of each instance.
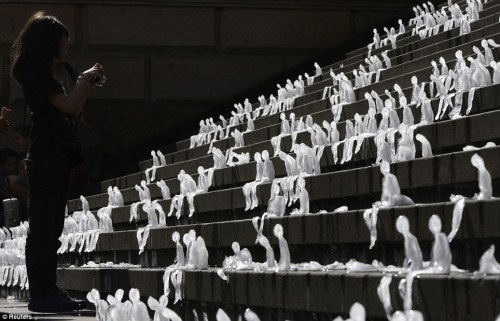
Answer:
(74, 102)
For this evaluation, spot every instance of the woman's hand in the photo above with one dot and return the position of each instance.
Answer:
(95, 75)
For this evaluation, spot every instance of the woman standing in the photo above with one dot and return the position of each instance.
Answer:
(37, 64)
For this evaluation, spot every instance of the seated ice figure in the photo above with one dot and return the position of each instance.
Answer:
(270, 261)
(303, 196)
(259, 164)
(413, 254)
(391, 192)
(406, 146)
(204, 179)
(485, 189)
(284, 262)
(441, 254)
(238, 138)
(219, 158)
(165, 191)
(488, 264)
(277, 204)
(268, 170)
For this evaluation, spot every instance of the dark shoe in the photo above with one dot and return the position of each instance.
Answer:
(55, 302)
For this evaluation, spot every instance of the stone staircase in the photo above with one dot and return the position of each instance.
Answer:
(322, 236)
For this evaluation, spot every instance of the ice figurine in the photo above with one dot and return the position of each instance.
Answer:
(303, 196)
(426, 146)
(270, 262)
(441, 254)
(219, 158)
(200, 261)
(413, 254)
(277, 203)
(458, 209)
(488, 264)
(139, 311)
(250, 315)
(162, 313)
(165, 191)
(268, 171)
(384, 294)
(101, 306)
(284, 262)
(391, 192)
(179, 250)
(204, 179)
(485, 189)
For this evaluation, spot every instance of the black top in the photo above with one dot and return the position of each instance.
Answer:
(49, 124)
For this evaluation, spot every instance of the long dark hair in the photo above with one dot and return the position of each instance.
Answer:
(37, 45)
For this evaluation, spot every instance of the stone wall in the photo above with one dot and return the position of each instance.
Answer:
(168, 61)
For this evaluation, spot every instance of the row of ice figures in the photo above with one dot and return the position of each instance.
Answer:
(428, 22)
(81, 229)
(210, 132)
(12, 256)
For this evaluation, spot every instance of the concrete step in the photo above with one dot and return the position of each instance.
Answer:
(438, 297)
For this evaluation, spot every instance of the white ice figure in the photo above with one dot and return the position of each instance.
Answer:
(290, 164)
(162, 313)
(165, 191)
(241, 158)
(277, 203)
(101, 306)
(222, 316)
(488, 264)
(142, 235)
(118, 310)
(303, 196)
(238, 139)
(406, 147)
(357, 312)
(284, 262)
(198, 254)
(259, 166)
(485, 189)
(317, 70)
(384, 152)
(188, 189)
(413, 254)
(250, 315)
(391, 192)
(179, 250)
(441, 253)
(458, 209)
(268, 170)
(426, 146)
(150, 173)
(205, 178)
(139, 311)
(219, 158)
(270, 261)
(285, 125)
(276, 143)
(370, 217)
(250, 124)
(496, 72)
(177, 281)
(384, 294)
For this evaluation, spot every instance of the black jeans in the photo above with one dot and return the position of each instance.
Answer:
(47, 169)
